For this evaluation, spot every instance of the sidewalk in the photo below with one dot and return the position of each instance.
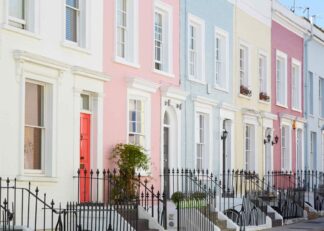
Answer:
(314, 225)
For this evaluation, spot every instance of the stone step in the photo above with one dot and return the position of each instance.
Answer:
(271, 215)
(276, 222)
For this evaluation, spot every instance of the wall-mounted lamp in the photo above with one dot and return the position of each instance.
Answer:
(275, 140)
(294, 125)
(167, 102)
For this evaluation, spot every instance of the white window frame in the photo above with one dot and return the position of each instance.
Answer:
(296, 64)
(205, 110)
(134, 94)
(31, 21)
(288, 148)
(263, 72)
(321, 96)
(131, 46)
(222, 35)
(253, 161)
(301, 148)
(199, 24)
(282, 57)
(166, 12)
(246, 69)
(49, 118)
(82, 26)
(311, 92)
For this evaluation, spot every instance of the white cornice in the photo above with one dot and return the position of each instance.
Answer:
(229, 107)
(204, 100)
(84, 72)
(269, 115)
(24, 56)
(173, 93)
(142, 84)
(250, 8)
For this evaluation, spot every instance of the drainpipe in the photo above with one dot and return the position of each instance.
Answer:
(306, 92)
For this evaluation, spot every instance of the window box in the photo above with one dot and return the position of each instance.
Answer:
(263, 96)
(245, 91)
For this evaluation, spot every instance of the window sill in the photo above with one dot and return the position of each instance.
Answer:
(245, 97)
(75, 47)
(21, 31)
(124, 62)
(265, 102)
(283, 106)
(296, 109)
(219, 88)
(197, 81)
(37, 178)
(167, 74)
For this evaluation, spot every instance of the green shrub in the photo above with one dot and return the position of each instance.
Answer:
(177, 197)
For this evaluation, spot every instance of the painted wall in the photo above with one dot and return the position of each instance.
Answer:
(314, 51)
(214, 13)
(290, 43)
(115, 99)
(252, 110)
(69, 70)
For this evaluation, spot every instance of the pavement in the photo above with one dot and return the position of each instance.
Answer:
(314, 225)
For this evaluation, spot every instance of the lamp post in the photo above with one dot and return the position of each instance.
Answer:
(223, 137)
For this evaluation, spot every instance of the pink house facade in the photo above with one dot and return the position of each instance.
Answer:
(287, 104)
(143, 103)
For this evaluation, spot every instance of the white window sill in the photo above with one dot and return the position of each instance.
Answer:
(37, 178)
(281, 105)
(75, 47)
(296, 109)
(21, 31)
(265, 102)
(219, 88)
(245, 97)
(167, 74)
(125, 62)
(198, 81)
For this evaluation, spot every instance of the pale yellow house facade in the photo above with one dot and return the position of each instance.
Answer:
(252, 86)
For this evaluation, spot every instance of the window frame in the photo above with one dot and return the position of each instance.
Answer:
(252, 152)
(296, 64)
(281, 56)
(166, 12)
(288, 149)
(131, 59)
(222, 35)
(199, 24)
(265, 79)
(48, 120)
(311, 92)
(134, 94)
(82, 26)
(31, 19)
(202, 139)
(43, 127)
(246, 79)
(321, 96)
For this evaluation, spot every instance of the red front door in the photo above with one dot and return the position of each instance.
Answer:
(85, 157)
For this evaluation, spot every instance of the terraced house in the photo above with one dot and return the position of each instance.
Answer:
(225, 97)
(252, 86)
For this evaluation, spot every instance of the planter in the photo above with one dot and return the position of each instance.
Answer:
(245, 91)
(264, 97)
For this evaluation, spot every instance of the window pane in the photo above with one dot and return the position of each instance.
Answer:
(85, 102)
(34, 104)
(33, 148)
(17, 9)
(71, 24)
(73, 3)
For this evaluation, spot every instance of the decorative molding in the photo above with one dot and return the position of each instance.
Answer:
(204, 100)
(268, 115)
(85, 72)
(142, 84)
(24, 56)
(174, 93)
(229, 107)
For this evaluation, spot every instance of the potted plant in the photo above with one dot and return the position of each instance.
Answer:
(245, 91)
(263, 96)
(129, 158)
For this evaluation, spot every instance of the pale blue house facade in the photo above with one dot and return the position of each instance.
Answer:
(206, 72)
(314, 101)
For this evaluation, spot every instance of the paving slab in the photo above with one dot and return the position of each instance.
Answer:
(313, 225)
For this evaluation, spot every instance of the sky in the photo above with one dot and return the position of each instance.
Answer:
(316, 7)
